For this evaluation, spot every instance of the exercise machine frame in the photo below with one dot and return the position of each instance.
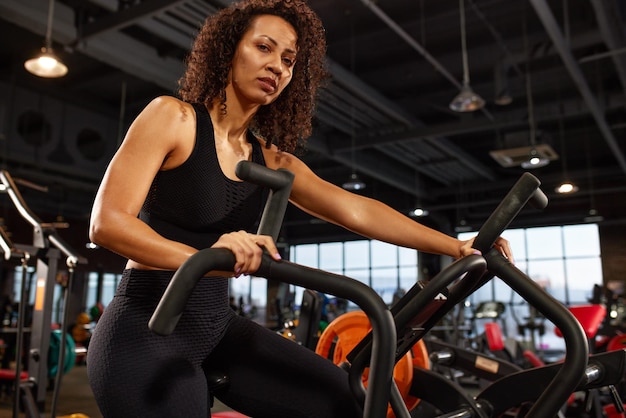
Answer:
(48, 248)
(396, 330)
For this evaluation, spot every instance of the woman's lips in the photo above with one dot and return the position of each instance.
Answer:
(268, 85)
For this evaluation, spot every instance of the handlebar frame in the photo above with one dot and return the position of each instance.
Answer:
(379, 351)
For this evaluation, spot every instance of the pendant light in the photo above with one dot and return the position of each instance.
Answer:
(467, 100)
(567, 186)
(418, 210)
(593, 215)
(47, 64)
(502, 95)
(535, 160)
(354, 183)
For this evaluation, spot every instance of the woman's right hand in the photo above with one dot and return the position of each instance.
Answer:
(248, 250)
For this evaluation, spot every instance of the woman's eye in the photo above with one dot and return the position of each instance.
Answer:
(288, 61)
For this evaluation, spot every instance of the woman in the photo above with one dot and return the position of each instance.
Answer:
(247, 94)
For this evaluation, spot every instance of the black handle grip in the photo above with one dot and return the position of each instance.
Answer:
(263, 176)
(524, 190)
(170, 309)
(279, 182)
(172, 303)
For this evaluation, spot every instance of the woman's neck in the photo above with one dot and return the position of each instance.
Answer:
(234, 123)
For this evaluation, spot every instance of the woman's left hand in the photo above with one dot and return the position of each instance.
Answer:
(501, 244)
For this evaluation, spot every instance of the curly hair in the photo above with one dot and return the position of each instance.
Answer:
(288, 119)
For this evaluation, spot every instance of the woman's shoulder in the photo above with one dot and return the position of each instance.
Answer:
(276, 158)
(166, 115)
(169, 105)
(166, 123)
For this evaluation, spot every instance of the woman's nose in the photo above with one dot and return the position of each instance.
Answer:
(276, 65)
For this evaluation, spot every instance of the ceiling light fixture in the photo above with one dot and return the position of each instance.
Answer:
(503, 98)
(567, 186)
(462, 226)
(467, 100)
(535, 160)
(47, 64)
(501, 81)
(419, 212)
(593, 216)
(354, 183)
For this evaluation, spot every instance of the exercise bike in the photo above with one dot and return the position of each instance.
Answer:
(394, 332)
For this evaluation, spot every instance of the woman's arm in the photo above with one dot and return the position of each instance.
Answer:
(158, 138)
(161, 137)
(368, 217)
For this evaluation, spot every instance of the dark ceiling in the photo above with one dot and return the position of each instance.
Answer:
(396, 65)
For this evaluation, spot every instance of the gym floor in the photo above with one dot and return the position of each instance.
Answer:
(75, 397)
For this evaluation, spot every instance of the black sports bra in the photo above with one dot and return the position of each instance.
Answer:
(196, 203)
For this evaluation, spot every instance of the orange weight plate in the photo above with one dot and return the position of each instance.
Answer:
(346, 331)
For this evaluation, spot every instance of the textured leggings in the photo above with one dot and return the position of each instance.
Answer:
(136, 373)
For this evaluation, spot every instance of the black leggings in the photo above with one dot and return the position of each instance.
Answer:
(273, 377)
(136, 373)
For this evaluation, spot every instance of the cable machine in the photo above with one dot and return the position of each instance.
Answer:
(48, 248)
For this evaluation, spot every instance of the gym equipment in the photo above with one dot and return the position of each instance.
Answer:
(55, 354)
(48, 247)
(345, 332)
(538, 392)
(492, 368)
(305, 328)
(171, 306)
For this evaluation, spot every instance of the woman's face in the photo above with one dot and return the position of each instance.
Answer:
(264, 60)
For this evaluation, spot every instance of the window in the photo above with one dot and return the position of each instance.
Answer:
(564, 260)
(109, 285)
(384, 267)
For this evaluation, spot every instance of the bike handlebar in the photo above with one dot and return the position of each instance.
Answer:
(279, 182)
(525, 190)
(384, 338)
(172, 304)
(173, 301)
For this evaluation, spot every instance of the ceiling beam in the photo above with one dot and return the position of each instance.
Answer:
(365, 93)
(551, 26)
(515, 119)
(418, 47)
(126, 17)
(395, 175)
(611, 27)
(165, 26)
